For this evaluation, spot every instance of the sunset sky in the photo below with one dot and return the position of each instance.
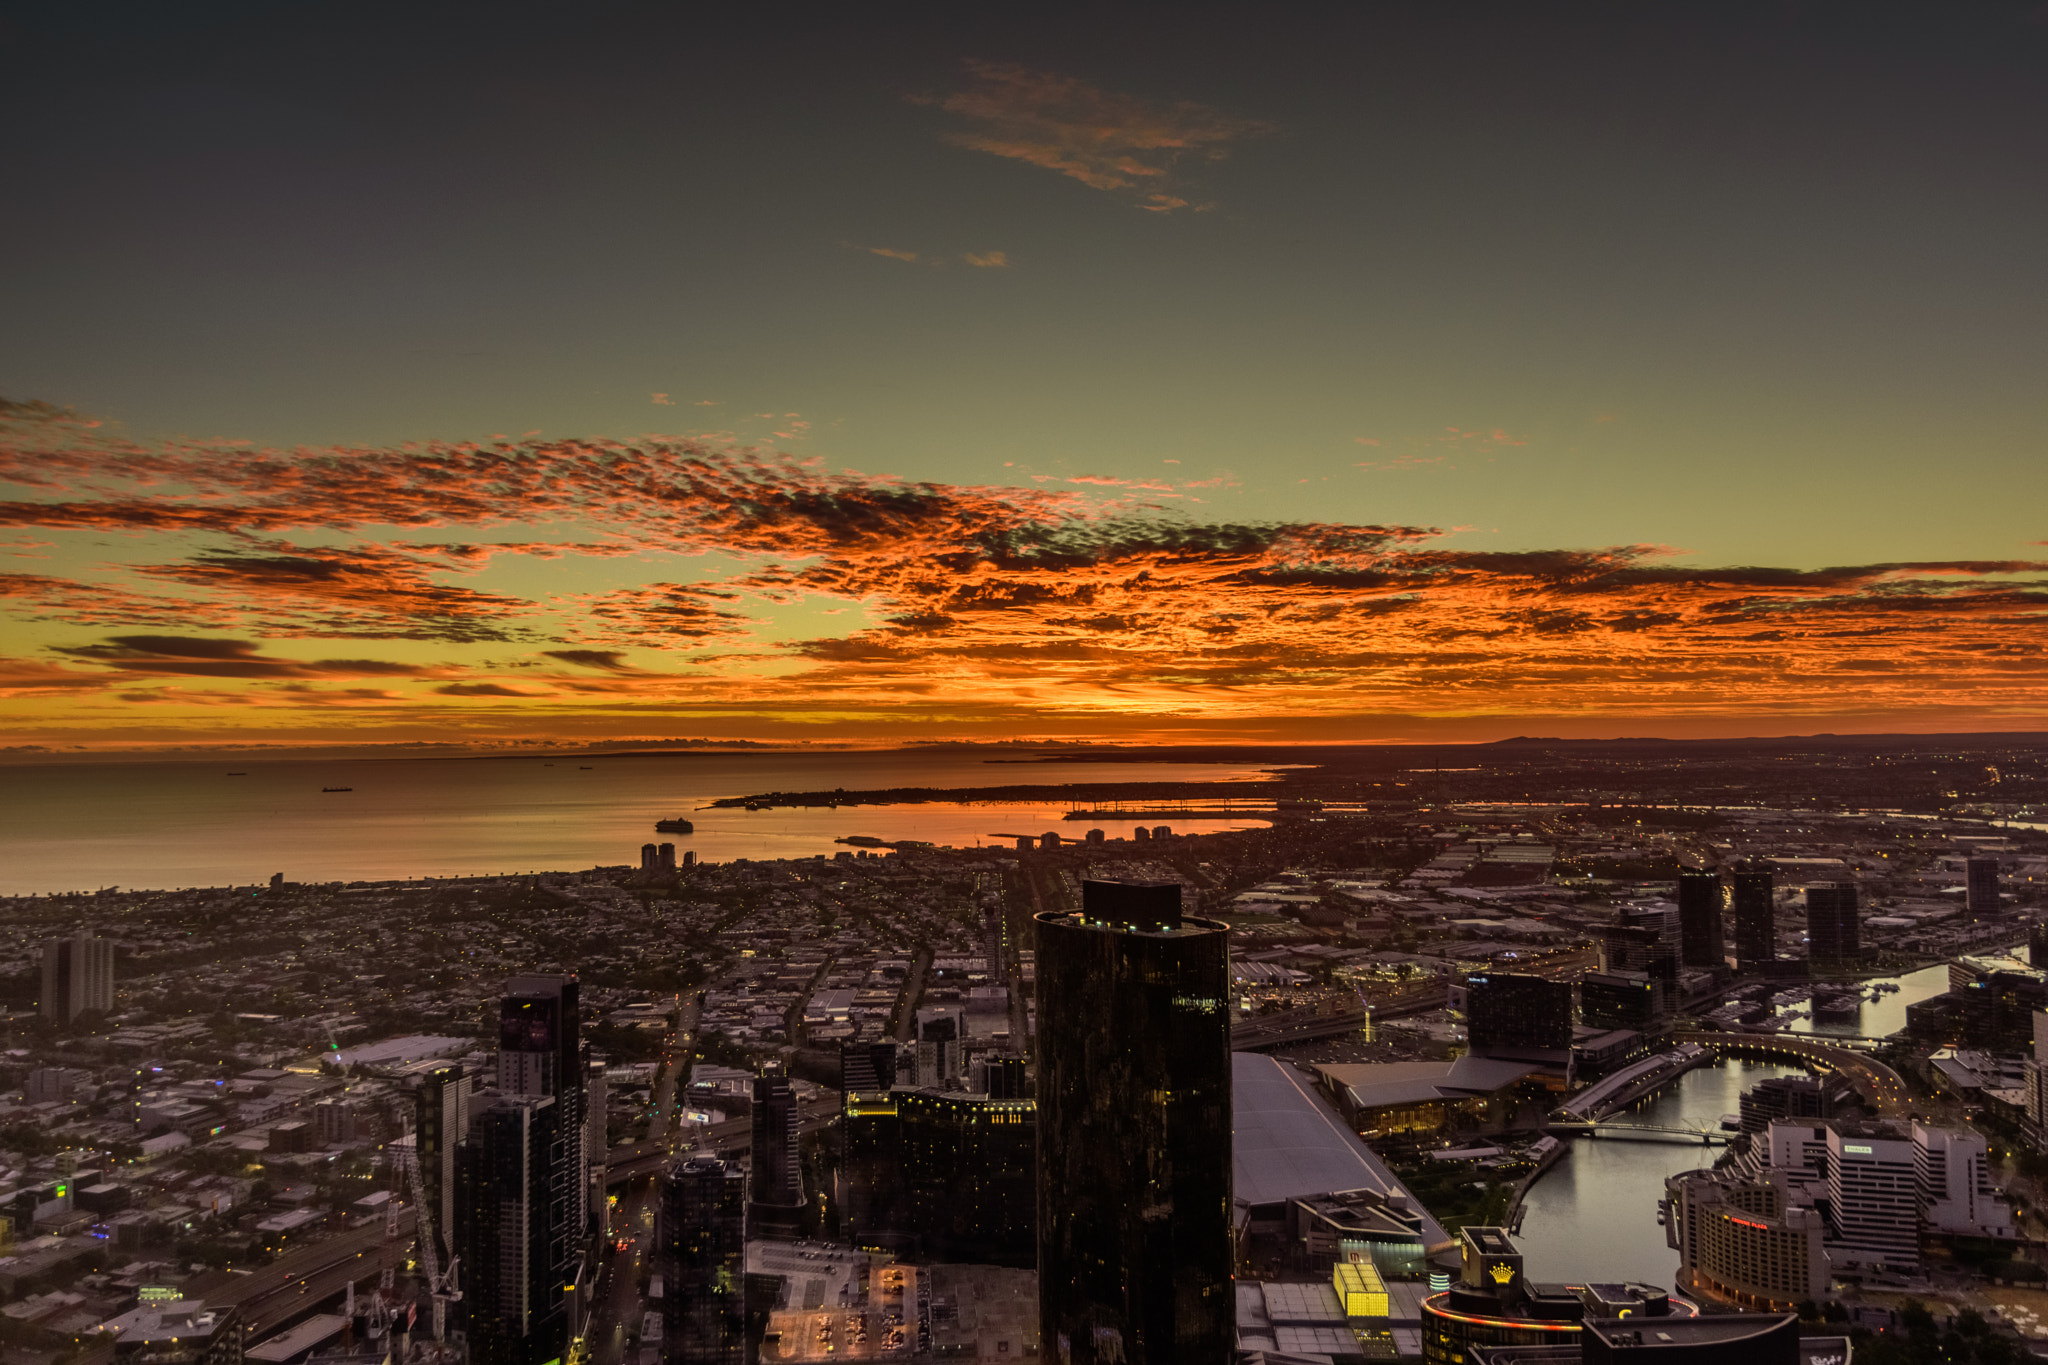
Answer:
(606, 372)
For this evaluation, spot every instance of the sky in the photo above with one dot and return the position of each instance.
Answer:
(619, 372)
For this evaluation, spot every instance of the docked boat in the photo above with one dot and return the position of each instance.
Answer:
(675, 826)
(337, 789)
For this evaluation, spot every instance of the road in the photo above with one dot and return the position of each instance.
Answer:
(615, 1319)
(300, 1281)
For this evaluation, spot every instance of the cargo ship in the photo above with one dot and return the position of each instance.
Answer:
(675, 826)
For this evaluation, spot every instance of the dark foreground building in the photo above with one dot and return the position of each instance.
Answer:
(1134, 1206)
(703, 1252)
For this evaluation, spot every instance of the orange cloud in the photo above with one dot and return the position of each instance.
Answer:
(984, 607)
(988, 260)
(1105, 140)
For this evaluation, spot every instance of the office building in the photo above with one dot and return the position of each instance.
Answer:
(1980, 887)
(515, 1230)
(1702, 942)
(1518, 1017)
(1753, 893)
(440, 1122)
(1621, 1000)
(1135, 1244)
(1831, 932)
(78, 975)
(703, 1261)
(778, 1177)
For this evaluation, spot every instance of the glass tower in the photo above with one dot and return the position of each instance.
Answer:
(1756, 927)
(1134, 1228)
(1699, 918)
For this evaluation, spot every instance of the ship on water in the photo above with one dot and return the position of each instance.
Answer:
(677, 825)
(337, 789)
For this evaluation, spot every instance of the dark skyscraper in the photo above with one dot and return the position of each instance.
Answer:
(1980, 887)
(1831, 932)
(520, 1183)
(514, 1233)
(1702, 940)
(778, 1183)
(1134, 1214)
(540, 1052)
(1756, 928)
(704, 1259)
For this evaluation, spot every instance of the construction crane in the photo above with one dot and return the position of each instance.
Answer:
(441, 1285)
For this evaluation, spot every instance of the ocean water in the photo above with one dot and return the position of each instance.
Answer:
(85, 826)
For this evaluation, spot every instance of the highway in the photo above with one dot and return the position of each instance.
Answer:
(301, 1281)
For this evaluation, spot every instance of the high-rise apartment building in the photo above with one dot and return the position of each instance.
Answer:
(1702, 940)
(1831, 932)
(440, 1123)
(540, 1052)
(78, 975)
(514, 1230)
(1753, 891)
(703, 1259)
(778, 1179)
(1135, 1249)
(1980, 887)
(521, 1205)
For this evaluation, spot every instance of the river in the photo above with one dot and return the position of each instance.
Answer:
(1593, 1216)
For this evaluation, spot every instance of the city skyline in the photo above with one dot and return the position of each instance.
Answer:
(1338, 376)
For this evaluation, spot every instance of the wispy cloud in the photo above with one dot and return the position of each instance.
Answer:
(988, 260)
(893, 254)
(1105, 140)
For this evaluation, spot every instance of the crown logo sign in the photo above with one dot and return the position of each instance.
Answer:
(1501, 1271)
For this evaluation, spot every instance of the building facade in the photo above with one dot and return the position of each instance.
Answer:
(1753, 896)
(514, 1231)
(1135, 1244)
(1742, 1241)
(1831, 928)
(1509, 1014)
(1703, 943)
(703, 1257)
(78, 975)
(778, 1179)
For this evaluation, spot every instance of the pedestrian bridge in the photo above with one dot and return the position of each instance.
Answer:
(1685, 1134)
